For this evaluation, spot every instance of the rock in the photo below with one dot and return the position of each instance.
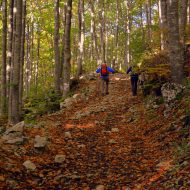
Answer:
(81, 146)
(12, 184)
(68, 135)
(18, 128)
(100, 187)
(60, 158)
(14, 135)
(67, 103)
(29, 165)
(115, 130)
(170, 91)
(79, 97)
(18, 140)
(112, 141)
(40, 142)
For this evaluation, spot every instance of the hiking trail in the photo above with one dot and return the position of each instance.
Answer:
(109, 142)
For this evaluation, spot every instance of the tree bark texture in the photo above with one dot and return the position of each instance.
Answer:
(15, 116)
(4, 57)
(56, 49)
(67, 49)
(175, 48)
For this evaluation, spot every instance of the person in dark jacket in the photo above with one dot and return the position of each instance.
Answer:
(133, 71)
(104, 71)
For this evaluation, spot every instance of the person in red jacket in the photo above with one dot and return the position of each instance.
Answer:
(104, 71)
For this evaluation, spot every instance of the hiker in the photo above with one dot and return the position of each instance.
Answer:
(133, 71)
(104, 71)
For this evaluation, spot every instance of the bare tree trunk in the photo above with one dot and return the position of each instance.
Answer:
(81, 37)
(28, 61)
(148, 20)
(4, 56)
(102, 29)
(175, 48)
(57, 50)
(37, 61)
(127, 41)
(15, 116)
(182, 19)
(67, 50)
(188, 12)
(93, 32)
(9, 48)
(163, 24)
(22, 54)
(12, 57)
(115, 61)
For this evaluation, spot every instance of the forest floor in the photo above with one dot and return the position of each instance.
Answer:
(114, 143)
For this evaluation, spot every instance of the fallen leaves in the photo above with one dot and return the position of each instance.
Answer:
(112, 147)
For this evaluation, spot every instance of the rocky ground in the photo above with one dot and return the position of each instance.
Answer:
(99, 143)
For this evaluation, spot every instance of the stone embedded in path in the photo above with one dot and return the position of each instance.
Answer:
(112, 141)
(115, 130)
(68, 135)
(81, 146)
(14, 135)
(60, 158)
(29, 165)
(17, 140)
(18, 128)
(100, 187)
(40, 142)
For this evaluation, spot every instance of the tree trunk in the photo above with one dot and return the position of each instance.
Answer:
(175, 48)
(67, 50)
(4, 49)
(93, 32)
(27, 72)
(148, 20)
(81, 37)
(10, 60)
(163, 24)
(182, 19)
(22, 54)
(15, 116)
(57, 50)
(116, 36)
(37, 62)
(102, 30)
(127, 41)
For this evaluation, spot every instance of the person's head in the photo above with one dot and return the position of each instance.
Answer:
(104, 64)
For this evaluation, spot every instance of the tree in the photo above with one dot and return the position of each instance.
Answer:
(81, 37)
(15, 114)
(4, 49)
(175, 48)
(56, 49)
(182, 19)
(163, 23)
(67, 50)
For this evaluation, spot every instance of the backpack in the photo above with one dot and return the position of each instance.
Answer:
(104, 70)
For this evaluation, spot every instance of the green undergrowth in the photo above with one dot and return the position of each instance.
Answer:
(35, 106)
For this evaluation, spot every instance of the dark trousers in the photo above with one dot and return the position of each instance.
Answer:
(104, 85)
(134, 81)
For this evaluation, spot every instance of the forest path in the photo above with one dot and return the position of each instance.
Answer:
(109, 142)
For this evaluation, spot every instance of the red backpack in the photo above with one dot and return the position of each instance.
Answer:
(104, 70)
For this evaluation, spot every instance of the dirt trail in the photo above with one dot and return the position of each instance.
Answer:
(112, 144)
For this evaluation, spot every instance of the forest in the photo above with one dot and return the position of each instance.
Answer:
(50, 102)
